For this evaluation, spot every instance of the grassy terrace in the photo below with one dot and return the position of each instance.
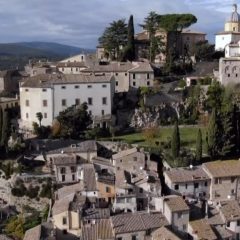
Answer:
(188, 137)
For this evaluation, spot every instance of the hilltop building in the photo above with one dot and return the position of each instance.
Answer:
(231, 33)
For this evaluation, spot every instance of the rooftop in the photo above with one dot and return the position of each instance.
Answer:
(97, 213)
(181, 175)
(228, 168)
(202, 229)
(230, 210)
(124, 153)
(134, 222)
(68, 190)
(176, 203)
(89, 177)
(65, 160)
(47, 80)
(164, 233)
(102, 229)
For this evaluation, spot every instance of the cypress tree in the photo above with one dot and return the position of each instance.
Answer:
(175, 143)
(131, 43)
(199, 146)
(1, 121)
(213, 135)
(5, 128)
(129, 50)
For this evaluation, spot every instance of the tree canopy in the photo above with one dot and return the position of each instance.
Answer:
(114, 37)
(74, 121)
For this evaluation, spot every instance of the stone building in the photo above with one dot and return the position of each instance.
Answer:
(189, 182)
(224, 177)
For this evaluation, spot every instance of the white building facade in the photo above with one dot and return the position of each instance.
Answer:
(231, 33)
(51, 94)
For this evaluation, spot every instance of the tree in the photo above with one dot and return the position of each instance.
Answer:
(213, 135)
(129, 50)
(15, 227)
(39, 117)
(173, 24)
(114, 37)
(199, 146)
(151, 25)
(74, 121)
(175, 143)
(5, 129)
(215, 96)
(204, 51)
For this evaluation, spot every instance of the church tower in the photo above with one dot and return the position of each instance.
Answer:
(233, 23)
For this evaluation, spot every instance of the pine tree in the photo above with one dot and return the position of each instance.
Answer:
(213, 135)
(199, 146)
(175, 143)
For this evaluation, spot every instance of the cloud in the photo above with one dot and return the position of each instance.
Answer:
(80, 23)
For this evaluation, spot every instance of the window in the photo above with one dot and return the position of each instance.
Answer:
(44, 103)
(63, 69)
(176, 187)
(140, 190)
(134, 237)
(134, 83)
(184, 227)
(27, 103)
(104, 101)
(108, 189)
(71, 69)
(206, 184)
(89, 86)
(77, 101)
(119, 238)
(148, 76)
(232, 191)
(232, 179)
(229, 75)
(125, 74)
(179, 215)
(89, 101)
(238, 222)
(63, 178)
(44, 89)
(64, 221)
(26, 90)
(73, 169)
(104, 85)
(76, 86)
(148, 83)
(90, 112)
(186, 186)
(134, 76)
(63, 170)
(116, 83)
(103, 112)
(27, 115)
(45, 115)
(73, 177)
(196, 185)
(63, 87)
(228, 224)
(64, 102)
(76, 69)
(64, 231)
(236, 75)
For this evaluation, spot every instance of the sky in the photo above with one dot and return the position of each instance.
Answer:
(81, 22)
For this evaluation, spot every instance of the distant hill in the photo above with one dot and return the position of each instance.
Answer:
(56, 48)
(13, 55)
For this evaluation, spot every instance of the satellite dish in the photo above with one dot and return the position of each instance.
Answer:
(229, 197)
(191, 166)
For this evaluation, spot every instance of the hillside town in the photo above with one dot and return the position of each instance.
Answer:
(139, 140)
